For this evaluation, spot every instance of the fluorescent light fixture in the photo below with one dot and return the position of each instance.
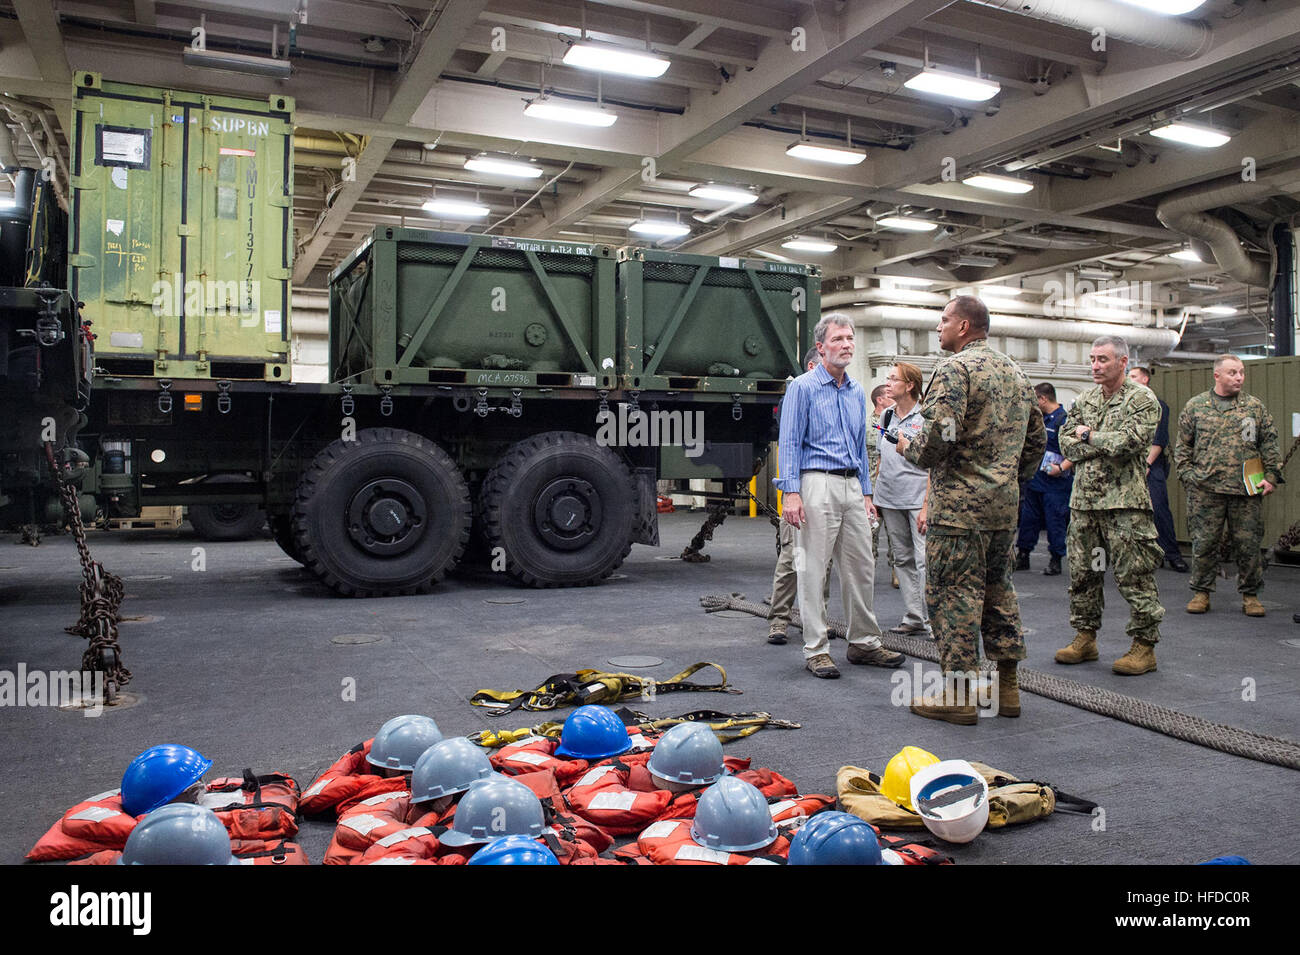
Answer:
(1170, 8)
(1202, 286)
(730, 194)
(580, 115)
(1096, 272)
(503, 167)
(999, 291)
(1185, 255)
(456, 208)
(662, 228)
(974, 89)
(839, 155)
(907, 224)
(977, 261)
(236, 62)
(809, 245)
(1219, 310)
(905, 280)
(1190, 134)
(612, 59)
(986, 180)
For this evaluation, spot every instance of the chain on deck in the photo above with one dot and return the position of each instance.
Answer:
(1192, 729)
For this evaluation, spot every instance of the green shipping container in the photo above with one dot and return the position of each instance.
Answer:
(181, 230)
(412, 306)
(1276, 382)
(701, 323)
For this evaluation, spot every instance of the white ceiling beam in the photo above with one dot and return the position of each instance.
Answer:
(146, 12)
(696, 36)
(778, 222)
(729, 14)
(1014, 33)
(41, 28)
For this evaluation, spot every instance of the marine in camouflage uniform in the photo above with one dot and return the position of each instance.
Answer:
(983, 436)
(1111, 523)
(1216, 434)
(873, 463)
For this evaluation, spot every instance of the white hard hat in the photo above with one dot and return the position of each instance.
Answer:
(953, 800)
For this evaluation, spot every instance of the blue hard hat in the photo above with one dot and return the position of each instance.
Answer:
(593, 732)
(1226, 860)
(447, 768)
(733, 816)
(159, 775)
(179, 834)
(401, 740)
(835, 838)
(688, 753)
(514, 850)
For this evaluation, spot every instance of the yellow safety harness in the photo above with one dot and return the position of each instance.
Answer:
(595, 686)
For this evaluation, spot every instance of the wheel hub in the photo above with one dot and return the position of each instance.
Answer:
(386, 517)
(567, 513)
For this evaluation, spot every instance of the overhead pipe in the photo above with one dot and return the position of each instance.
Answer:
(917, 298)
(1185, 39)
(1014, 326)
(1184, 212)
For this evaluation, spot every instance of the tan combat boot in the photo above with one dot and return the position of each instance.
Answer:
(1251, 606)
(955, 704)
(1008, 688)
(1199, 603)
(1081, 650)
(1141, 658)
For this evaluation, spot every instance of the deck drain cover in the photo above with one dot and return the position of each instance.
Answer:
(734, 615)
(634, 662)
(356, 639)
(125, 701)
(505, 600)
(140, 618)
(617, 577)
(668, 558)
(150, 577)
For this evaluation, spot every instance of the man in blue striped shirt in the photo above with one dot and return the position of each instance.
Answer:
(823, 458)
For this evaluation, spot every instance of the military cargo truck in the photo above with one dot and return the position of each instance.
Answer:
(516, 399)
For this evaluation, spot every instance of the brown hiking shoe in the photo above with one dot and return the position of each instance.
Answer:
(1081, 650)
(1008, 688)
(776, 635)
(955, 704)
(1251, 606)
(893, 580)
(1141, 658)
(822, 667)
(877, 657)
(1199, 603)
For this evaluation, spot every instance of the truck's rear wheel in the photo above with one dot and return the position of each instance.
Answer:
(562, 507)
(227, 522)
(282, 531)
(386, 514)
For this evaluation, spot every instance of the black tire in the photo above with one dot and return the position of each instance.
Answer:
(282, 532)
(383, 515)
(553, 474)
(227, 522)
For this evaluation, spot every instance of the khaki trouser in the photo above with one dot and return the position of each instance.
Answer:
(785, 582)
(835, 526)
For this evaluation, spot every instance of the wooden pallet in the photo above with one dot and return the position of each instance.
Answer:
(151, 518)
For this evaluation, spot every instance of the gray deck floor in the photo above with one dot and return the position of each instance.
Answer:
(239, 661)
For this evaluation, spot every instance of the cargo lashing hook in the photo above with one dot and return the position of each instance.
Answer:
(347, 402)
(516, 409)
(164, 395)
(737, 412)
(223, 399)
(386, 402)
(481, 406)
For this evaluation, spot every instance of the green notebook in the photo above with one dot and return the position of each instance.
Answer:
(1252, 474)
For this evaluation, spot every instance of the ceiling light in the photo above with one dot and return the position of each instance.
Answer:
(809, 245)
(1202, 286)
(977, 261)
(611, 59)
(1219, 310)
(1190, 134)
(907, 224)
(838, 155)
(905, 280)
(236, 62)
(1170, 8)
(973, 89)
(1096, 272)
(1000, 291)
(730, 194)
(663, 228)
(581, 115)
(456, 208)
(503, 167)
(1185, 255)
(998, 183)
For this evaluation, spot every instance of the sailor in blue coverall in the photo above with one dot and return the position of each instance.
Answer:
(1045, 500)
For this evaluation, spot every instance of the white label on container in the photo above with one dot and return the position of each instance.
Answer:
(126, 339)
(607, 363)
(115, 226)
(1295, 424)
(272, 320)
(118, 175)
(729, 263)
(121, 147)
(619, 802)
(585, 381)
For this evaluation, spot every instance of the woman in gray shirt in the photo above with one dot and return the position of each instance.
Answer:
(900, 489)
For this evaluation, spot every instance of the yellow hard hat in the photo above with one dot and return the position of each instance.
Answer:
(896, 784)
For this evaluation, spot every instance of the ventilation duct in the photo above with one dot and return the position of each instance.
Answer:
(1186, 39)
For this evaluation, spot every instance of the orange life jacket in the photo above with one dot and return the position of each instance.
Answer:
(282, 853)
(371, 821)
(257, 811)
(349, 780)
(669, 842)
